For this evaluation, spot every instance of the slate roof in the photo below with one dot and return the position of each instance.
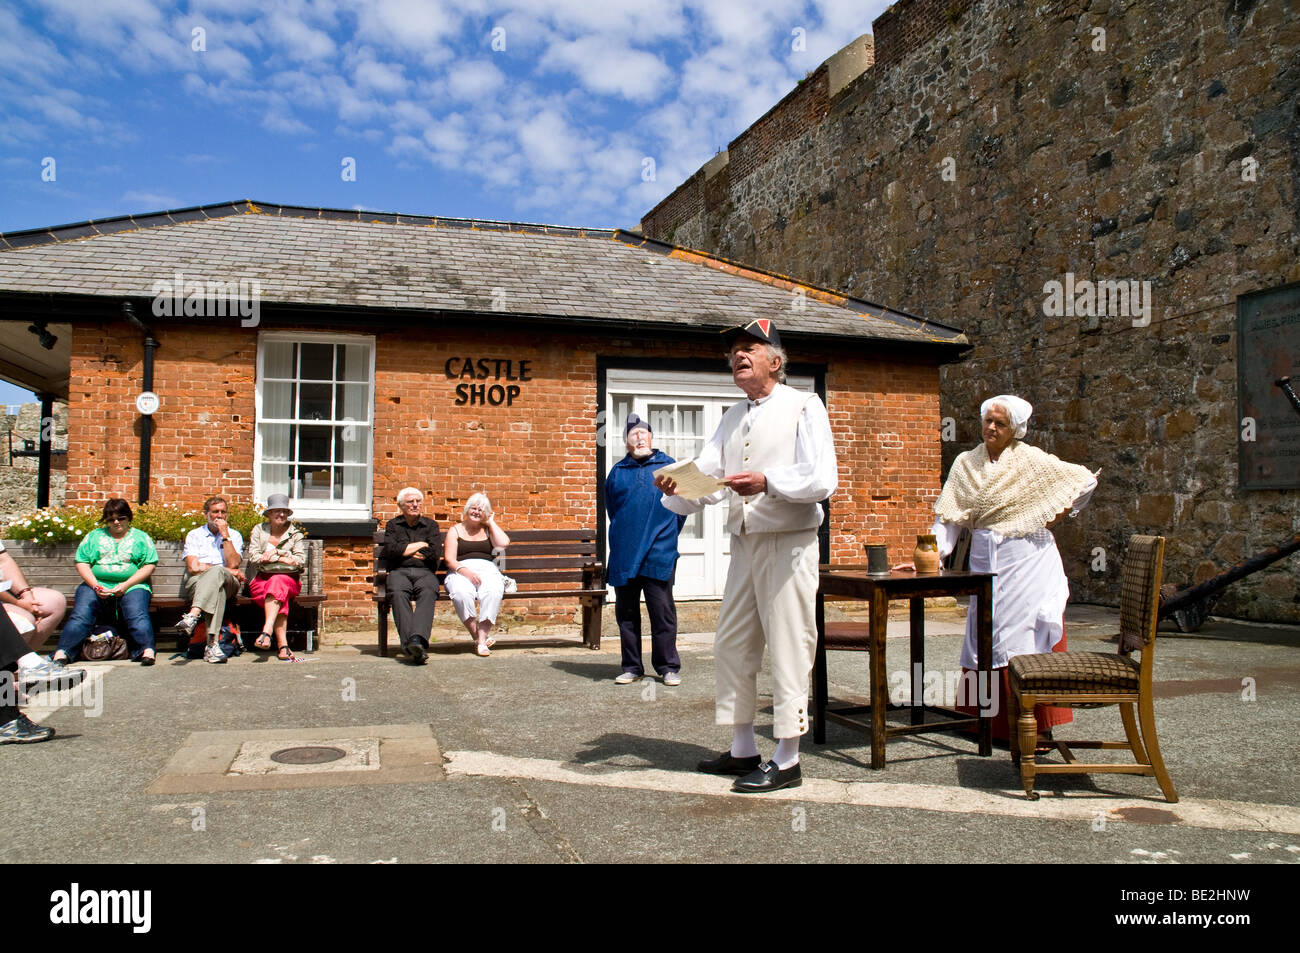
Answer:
(336, 258)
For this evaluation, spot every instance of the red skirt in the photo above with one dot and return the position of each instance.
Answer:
(1046, 715)
(280, 586)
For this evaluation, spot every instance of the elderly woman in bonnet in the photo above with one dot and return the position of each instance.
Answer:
(277, 552)
(1009, 494)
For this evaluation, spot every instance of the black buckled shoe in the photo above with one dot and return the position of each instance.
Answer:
(726, 764)
(768, 777)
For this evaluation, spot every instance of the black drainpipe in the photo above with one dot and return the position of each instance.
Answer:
(146, 423)
(46, 445)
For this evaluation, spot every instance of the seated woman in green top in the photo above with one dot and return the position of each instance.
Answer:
(116, 562)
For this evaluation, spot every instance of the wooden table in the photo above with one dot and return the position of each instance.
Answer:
(853, 582)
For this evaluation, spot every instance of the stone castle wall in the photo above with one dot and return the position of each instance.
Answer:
(997, 146)
(18, 482)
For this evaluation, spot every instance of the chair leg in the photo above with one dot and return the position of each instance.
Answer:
(1131, 732)
(1013, 718)
(1147, 717)
(1027, 727)
(383, 630)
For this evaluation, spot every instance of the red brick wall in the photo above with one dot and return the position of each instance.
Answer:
(885, 416)
(909, 24)
(535, 459)
(203, 432)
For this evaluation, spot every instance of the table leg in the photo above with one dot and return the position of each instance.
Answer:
(819, 675)
(984, 648)
(879, 621)
(917, 675)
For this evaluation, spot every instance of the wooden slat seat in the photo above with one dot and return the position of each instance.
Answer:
(56, 568)
(563, 563)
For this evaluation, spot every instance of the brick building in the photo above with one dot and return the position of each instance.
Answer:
(339, 356)
(969, 157)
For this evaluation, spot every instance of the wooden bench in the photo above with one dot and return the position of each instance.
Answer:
(54, 567)
(546, 564)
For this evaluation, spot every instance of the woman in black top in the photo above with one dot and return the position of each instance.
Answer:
(472, 574)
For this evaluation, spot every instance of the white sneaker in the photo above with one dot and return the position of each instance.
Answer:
(627, 678)
(672, 679)
(188, 622)
(213, 653)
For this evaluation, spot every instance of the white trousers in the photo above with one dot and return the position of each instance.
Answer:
(488, 595)
(771, 596)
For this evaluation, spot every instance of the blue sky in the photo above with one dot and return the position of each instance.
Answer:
(581, 112)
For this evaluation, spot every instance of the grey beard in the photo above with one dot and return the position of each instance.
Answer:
(642, 452)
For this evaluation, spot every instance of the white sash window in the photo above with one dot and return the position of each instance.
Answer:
(315, 417)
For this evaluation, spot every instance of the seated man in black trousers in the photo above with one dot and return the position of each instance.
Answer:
(412, 545)
(15, 727)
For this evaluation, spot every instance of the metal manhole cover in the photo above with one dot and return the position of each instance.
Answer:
(313, 754)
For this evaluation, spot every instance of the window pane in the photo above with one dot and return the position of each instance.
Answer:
(352, 444)
(353, 363)
(350, 399)
(277, 400)
(693, 528)
(317, 362)
(316, 402)
(314, 444)
(315, 483)
(277, 359)
(354, 483)
(275, 478)
(275, 442)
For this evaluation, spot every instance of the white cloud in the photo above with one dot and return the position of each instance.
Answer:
(151, 201)
(409, 24)
(474, 80)
(380, 77)
(611, 68)
(299, 40)
(550, 144)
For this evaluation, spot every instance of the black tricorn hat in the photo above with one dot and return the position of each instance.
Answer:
(762, 328)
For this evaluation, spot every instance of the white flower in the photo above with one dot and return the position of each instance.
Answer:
(49, 534)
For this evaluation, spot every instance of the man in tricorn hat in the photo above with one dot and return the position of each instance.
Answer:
(776, 455)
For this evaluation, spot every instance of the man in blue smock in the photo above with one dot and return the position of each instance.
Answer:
(642, 556)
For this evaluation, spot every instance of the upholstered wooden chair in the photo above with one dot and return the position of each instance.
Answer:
(1093, 679)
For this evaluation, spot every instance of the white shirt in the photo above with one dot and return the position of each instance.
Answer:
(812, 478)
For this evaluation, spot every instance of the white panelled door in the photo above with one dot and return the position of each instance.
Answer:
(683, 409)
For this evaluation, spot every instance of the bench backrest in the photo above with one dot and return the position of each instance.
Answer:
(539, 559)
(55, 567)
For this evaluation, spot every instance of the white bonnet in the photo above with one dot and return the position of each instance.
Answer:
(1017, 409)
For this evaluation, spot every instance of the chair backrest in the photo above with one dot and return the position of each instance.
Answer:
(1139, 596)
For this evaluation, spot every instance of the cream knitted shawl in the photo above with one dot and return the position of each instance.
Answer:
(1020, 494)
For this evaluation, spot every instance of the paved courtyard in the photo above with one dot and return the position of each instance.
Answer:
(534, 755)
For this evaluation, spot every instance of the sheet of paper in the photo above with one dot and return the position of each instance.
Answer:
(691, 483)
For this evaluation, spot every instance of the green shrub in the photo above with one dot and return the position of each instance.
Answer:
(164, 522)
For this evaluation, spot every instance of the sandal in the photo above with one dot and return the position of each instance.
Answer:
(482, 650)
(263, 642)
(285, 655)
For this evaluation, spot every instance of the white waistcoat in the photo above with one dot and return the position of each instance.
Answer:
(770, 444)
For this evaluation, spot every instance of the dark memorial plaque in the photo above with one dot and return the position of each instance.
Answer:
(1268, 350)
